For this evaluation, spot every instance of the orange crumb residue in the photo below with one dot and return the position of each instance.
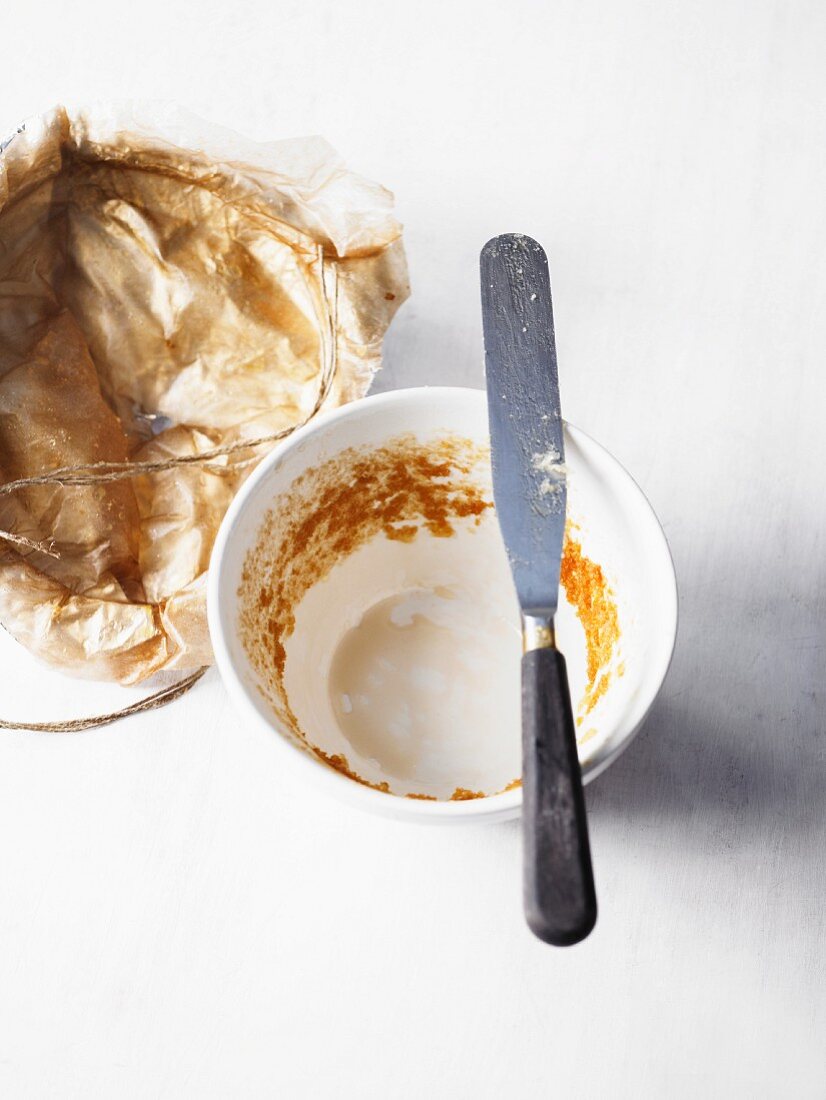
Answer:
(339, 763)
(589, 593)
(514, 783)
(397, 490)
(334, 509)
(331, 510)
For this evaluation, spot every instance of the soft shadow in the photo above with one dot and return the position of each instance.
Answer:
(736, 741)
(686, 768)
(734, 749)
(421, 352)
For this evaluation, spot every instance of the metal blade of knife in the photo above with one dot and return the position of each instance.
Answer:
(528, 452)
(530, 494)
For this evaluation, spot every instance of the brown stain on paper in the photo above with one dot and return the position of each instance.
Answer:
(397, 491)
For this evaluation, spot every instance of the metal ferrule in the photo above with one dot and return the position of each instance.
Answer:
(537, 632)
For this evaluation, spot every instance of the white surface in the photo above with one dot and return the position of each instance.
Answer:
(176, 918)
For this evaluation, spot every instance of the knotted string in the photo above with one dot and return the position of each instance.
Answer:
(96, 473)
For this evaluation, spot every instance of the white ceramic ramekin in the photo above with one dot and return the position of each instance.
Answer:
(615, 525)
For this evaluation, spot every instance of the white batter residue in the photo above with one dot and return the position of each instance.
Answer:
(550, 463)
(422, 672)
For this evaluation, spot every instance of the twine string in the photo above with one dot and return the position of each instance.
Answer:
(75, 725)
(96, 473)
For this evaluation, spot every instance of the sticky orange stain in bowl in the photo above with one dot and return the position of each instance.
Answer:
(398, 490)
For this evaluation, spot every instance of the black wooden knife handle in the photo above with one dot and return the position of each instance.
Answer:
(560, 900)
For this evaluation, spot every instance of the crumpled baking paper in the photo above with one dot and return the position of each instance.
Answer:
(165, 288)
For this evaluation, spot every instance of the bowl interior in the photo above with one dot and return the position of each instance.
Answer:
(400, 666)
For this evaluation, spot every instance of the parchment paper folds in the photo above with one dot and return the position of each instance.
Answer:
(165, 289)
